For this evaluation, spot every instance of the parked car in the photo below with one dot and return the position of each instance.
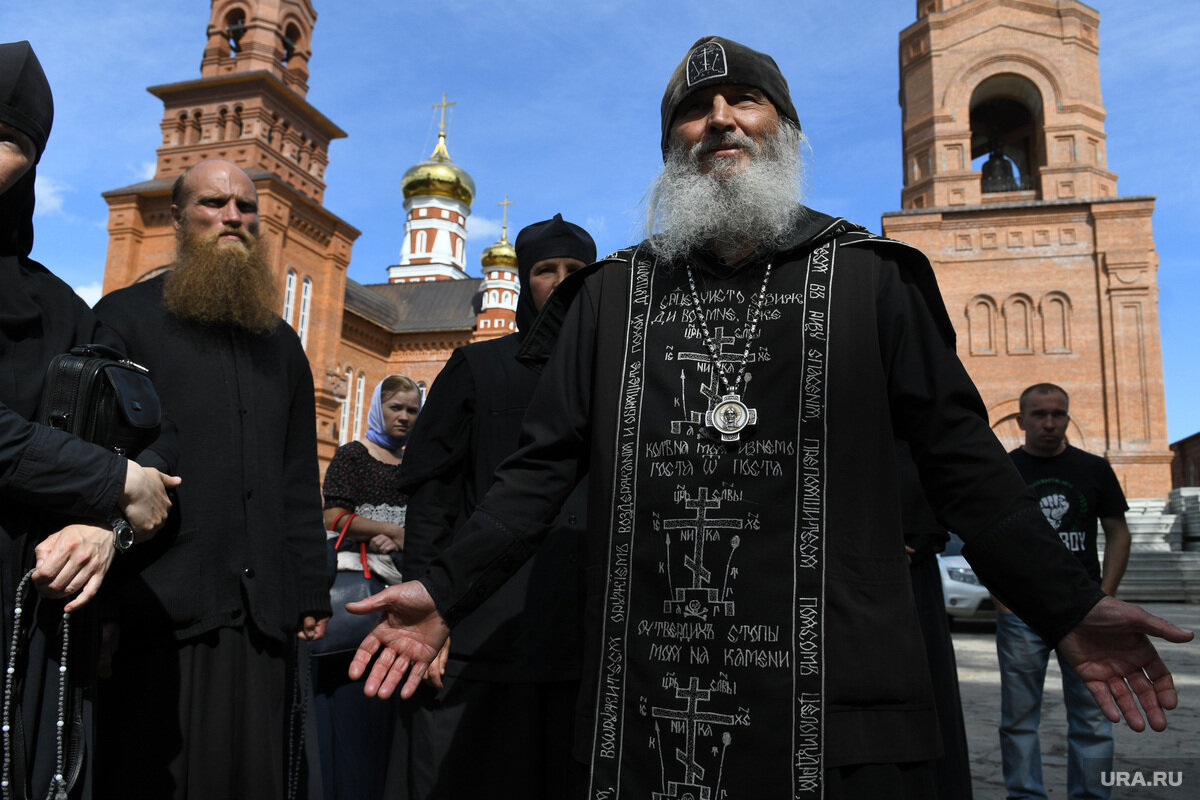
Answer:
(966, 597)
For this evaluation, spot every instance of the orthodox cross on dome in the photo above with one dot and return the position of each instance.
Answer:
(440, 151)
(504, 224)
(443, 106)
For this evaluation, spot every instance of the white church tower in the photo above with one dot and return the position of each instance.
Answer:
(437, 202)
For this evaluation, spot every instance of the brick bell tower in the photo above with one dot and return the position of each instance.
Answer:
(248, 106)
(1047, 272)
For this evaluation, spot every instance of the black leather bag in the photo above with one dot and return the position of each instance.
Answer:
(100, 396)
(345, 631)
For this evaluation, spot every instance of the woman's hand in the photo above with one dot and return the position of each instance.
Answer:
(382, 543)
(390, 538)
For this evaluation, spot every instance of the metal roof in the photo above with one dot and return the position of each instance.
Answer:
(424, 306)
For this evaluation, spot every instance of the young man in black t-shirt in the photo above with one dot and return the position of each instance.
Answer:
(1074, 490)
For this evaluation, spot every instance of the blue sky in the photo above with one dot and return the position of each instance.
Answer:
(557, 107)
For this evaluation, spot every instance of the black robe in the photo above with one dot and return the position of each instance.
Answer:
(529, 631)
(685, 701)
(47, 477)
(520, 652)
(245, 539)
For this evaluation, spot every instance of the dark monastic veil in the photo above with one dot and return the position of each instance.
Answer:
(41, 471)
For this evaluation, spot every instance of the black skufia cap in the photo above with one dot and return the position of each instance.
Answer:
(552, 238)
(714, 60)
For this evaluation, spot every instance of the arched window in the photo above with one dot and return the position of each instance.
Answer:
(235, 28)
(235, 124)
(981, 326)
(1018, 325)
(358, 403)
(291, 40)
(194, 129)
(422, 238)
(305, 300)
(1006, 122)
(1056, 323)
(344, 422)
(289, 296)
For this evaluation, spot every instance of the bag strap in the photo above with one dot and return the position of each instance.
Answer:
(349, 517)
(362, 546)
(362, 550)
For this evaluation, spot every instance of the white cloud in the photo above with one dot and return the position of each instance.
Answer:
(50, 194)
(145, 171)
(89, 292)
(479, 228)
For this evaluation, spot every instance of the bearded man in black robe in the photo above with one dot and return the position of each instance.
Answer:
(202, 700)
(734, 386)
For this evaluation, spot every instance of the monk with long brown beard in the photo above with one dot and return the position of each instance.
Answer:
(202, 687)
(220, 276)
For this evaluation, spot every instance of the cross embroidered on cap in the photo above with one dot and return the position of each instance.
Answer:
(706, 61)
(713, 60)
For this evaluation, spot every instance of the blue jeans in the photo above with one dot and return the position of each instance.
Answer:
(1023, 657)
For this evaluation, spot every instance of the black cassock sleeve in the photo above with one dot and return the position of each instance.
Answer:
(531, 485)
(969, 479)
(43, 467)
(437, 465)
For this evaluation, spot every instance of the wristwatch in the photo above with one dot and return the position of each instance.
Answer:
(122, 534)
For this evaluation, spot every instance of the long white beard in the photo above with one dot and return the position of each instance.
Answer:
(754, 208)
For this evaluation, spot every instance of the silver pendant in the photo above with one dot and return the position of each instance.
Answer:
(729, 417)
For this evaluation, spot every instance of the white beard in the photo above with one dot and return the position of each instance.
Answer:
(754, 208)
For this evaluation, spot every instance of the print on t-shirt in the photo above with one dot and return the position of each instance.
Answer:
(1065, 508)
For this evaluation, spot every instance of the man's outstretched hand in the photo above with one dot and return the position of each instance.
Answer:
(1111, 650)
(407, 638)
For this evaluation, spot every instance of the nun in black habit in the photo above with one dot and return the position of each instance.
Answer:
(45, 472)
(514, 665)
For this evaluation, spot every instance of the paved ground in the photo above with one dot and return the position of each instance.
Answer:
(1175, 750)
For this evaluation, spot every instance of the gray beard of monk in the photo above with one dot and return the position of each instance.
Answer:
(734, 214)
(222, 284)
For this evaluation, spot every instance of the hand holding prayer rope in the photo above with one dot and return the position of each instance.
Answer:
(1111, 650)
(410, 633)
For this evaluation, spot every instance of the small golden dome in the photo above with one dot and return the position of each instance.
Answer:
(500, 253)
(439, 176)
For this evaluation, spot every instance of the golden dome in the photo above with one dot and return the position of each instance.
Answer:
(500, 253)
(439, 176)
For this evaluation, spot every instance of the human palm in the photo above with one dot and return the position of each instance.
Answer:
(1111, 651)
(404, 642)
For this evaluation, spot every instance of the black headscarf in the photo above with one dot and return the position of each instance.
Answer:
(713, 60)
(27, 105)
(552, 238)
